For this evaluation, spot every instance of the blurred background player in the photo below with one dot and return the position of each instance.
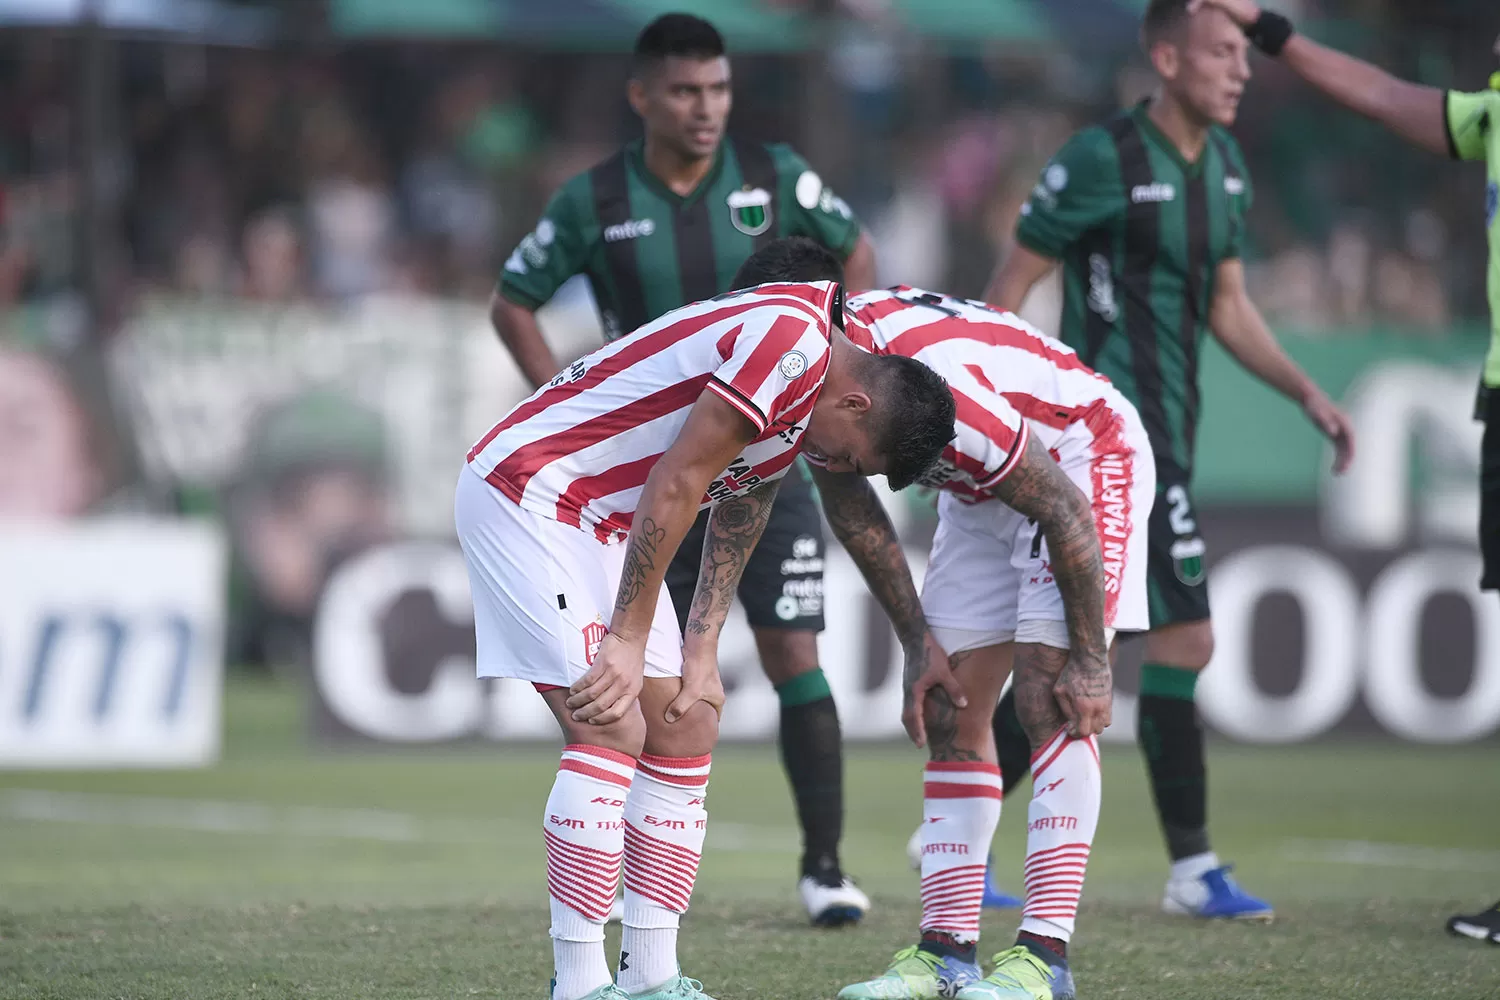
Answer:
(1464, 126)
(666, 221)
(1146, 212)
(569, 511)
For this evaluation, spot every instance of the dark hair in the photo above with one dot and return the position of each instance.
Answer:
(676, 35)
(1162, 18)
(916, 415)
(792, 258)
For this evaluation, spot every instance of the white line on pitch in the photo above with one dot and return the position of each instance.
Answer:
(1378, 855)
(266, 819)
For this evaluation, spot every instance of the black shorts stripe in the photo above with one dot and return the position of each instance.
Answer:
(759, 171)
(626, 301)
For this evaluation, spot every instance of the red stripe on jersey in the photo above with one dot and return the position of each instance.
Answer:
(614, 524)
(1016, 455)
(800, 387)
(734, 398)
(726, 342)
(980, 377)
(997, 334)
(991, 426)
(873, 312)
(633, 352)
(512, 474)
(581, 492)
(971, 467)
(1045, 413)
(781, 338)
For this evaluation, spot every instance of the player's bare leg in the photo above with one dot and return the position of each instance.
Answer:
(664, 822)
(1061, 820)
(584, 830)
(1171, 737)
(812, 756)
(960, 810)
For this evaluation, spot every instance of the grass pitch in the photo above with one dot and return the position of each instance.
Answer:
(284, 873)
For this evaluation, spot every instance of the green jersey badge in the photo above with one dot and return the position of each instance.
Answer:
(750, 210)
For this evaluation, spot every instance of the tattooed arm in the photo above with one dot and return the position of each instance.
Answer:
(860, 524)
(1040, 490)
(734, 528)
(712, 436)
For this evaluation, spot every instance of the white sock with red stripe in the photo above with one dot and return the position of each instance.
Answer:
(665, 821)
(960, 810)
(585, 838)
(1062, 819)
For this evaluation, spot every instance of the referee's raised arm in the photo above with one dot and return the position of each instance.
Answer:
(1413, 111)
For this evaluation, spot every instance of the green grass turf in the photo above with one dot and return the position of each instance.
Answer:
(284, 873)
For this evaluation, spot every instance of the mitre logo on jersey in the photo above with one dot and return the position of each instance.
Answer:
(593, 636)
(792, 365)
(750, 210)
(630, 229)
(736, 479)
(1156, 192)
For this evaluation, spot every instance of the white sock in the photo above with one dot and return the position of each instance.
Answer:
(1064, 813)
(585, 839)
(1195, 866)
(665, 822)
(960, 810)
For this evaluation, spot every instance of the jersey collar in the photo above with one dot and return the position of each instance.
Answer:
(1159, 139)
(636, 151)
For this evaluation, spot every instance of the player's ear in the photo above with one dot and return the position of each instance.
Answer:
(856, 402)
(635, 93)
(1165, 59)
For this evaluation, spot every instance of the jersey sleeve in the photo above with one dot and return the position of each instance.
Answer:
(1079, 188)
(814, 210)
(774, 362)
(1469, 118)
(551, 253)
(990, 436)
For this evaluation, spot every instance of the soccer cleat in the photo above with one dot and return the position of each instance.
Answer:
(995, 898)
(1021, 975)
(833, 905)
(1483, 926)
(681, 988)
(915, 975)
(1214, 896)
(609, 991)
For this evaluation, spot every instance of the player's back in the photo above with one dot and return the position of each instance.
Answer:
(580, 448)
(982, 351)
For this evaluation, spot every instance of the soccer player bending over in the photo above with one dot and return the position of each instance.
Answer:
(1146, 213)
(569, 511)
(1037, 561)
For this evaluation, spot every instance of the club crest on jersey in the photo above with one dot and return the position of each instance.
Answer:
(792, 365)
(750, 210)
(593, 636)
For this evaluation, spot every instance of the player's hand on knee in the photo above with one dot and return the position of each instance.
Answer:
(927, 668)
(1085, 694)
(604, 694)
(699, 683)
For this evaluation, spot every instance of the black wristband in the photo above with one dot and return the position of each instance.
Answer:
(1270, 32)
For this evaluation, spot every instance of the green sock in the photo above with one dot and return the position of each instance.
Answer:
(1171, 737)
(804, 688)
(812, 756)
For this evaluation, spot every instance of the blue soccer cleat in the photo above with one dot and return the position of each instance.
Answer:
(996, 898)
(1213, 895)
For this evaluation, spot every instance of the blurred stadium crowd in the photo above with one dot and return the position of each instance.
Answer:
(328, 169)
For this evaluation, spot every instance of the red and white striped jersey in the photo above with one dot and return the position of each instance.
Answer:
(1009, 381)
(580, 448)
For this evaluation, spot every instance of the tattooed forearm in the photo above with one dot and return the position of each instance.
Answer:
(734, 527)
(1039, 489)
(862, 527)
(642, 557)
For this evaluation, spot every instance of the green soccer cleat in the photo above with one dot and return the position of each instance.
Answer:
(681, 988)
(915, 975)
(609, 991)
(1020, 975)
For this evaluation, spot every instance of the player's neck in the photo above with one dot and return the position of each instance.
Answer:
(1180, 127)
(680, 174)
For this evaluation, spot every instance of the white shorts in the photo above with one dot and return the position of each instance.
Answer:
(543, 592)
(989, 579)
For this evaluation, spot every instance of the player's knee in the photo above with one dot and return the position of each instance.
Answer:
(693, 735)
(626, 735)
(786, 654)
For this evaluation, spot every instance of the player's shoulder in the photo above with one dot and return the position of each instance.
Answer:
(1094, 146)
(784, 157)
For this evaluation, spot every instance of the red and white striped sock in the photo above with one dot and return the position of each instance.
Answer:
(960, 810)
(665, 822)
(1064, 814)
(585, 834)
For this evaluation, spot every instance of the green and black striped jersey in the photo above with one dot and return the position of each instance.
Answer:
(647, 251)
(1140, 233)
